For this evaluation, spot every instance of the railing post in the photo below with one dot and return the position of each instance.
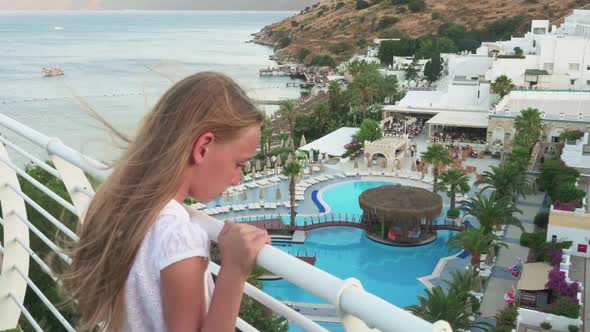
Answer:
(15, 257)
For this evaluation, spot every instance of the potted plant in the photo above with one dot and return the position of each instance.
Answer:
(546, 326)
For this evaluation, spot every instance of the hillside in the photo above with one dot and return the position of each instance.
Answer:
(341, 27)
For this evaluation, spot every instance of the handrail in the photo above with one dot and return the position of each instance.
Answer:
(347, 295)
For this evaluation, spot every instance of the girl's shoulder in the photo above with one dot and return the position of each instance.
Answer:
(175, 237)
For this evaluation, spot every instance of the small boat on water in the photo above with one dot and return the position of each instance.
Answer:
(48, 72)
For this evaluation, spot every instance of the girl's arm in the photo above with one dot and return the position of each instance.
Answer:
(183, 295)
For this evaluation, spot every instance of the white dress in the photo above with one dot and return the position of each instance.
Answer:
(172, 238)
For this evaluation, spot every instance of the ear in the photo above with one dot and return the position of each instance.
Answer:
(201, 147)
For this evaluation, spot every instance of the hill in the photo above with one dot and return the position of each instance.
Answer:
(340, 28)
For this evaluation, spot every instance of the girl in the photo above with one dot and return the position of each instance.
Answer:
(141, 264)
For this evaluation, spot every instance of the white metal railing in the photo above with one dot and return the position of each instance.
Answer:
(357, 309)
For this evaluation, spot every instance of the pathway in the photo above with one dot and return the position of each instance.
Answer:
(580, 270)
(501, 280)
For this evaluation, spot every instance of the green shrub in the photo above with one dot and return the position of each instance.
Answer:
(339, 5)
(302, 53)
(339, 47)
(386, 22)
(542, 219)
(435, 15)
(362, 4)
(573, 328)
(506, 318)
(284, 42)
(323, 60)
(546, 325)
(417, 5)
(563, 306)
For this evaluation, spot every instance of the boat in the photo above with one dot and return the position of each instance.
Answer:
(52, 72)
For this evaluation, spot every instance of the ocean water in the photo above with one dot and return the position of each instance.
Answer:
(119, 63)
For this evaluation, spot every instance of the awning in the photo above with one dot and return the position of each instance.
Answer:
(333, 143)
(460, 119)
(534, 276)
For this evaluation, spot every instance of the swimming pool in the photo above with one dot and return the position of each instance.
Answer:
(387, 271)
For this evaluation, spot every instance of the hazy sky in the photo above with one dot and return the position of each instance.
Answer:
(156, 4)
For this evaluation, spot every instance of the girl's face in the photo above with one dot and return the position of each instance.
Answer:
(219, 165)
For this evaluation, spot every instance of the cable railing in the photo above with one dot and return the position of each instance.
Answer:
(357, 309)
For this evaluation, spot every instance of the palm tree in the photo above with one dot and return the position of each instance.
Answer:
(391, 87)
(290, 111)
(463, 281)
(334, 94)
(507, 181)
(436, 155)
(502, 86)
(528, 127)
(292, 170)
(476, 241)
(440, 305)
(321, 117)
(365, 90)
(491, 211)
(519, 158)
(453, 181)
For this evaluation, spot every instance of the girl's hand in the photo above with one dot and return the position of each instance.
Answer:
(239, 244)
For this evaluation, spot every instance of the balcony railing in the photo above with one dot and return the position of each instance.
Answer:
(357, 309)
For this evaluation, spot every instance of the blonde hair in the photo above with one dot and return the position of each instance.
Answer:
(142, 182)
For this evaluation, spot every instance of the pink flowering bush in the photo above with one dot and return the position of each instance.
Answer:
(559, 286)
(569, 206)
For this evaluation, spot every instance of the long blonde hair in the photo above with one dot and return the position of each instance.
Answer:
(142, 182)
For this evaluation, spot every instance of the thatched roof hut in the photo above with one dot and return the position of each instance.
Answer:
(400, 206)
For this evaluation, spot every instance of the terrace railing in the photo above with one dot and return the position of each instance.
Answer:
(357, 309)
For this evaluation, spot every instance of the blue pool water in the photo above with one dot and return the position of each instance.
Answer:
(389, 272)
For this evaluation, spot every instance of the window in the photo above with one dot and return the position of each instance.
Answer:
(539, 31)
(572, 82)
(548, 66)
(574, 66)
(587, 82)
(588, 67)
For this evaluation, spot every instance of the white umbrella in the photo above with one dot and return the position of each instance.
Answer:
(265, 171)
(278, 160)
(253, 173)
(268, 165)
(322, 165)
(302, 142)
(258, 164)
(247, 166)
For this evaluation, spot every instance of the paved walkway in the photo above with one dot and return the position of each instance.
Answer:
(501, 280)
(580, 270)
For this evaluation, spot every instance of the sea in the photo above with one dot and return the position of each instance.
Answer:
(118, 63)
